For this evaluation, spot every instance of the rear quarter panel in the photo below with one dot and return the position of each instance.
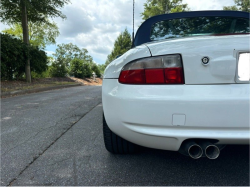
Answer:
(114, 68)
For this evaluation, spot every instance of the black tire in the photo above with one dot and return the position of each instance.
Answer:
(114, 143)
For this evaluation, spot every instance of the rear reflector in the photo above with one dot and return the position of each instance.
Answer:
(154, 70)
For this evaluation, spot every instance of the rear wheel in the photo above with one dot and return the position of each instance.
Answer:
(114, 143)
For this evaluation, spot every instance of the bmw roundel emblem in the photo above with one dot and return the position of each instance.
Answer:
(205, 60)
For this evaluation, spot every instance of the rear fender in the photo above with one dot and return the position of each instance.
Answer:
(114, 68)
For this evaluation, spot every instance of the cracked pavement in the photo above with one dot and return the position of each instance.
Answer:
(55, 138)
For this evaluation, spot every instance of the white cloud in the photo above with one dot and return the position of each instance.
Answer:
(78, 21)
(208, 4)
(95, 25)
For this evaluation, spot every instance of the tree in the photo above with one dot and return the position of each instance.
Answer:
(95, 68)
(76, 68)
(36, 11)
(242, 5)
(80, 69)
(101, 68)
(122, 44)
(40, 34)
(58, 69)
(76, 60)
(230, 7)
(157, 7)
(67, 52)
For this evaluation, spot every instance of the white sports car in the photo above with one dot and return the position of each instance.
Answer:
(184, 86)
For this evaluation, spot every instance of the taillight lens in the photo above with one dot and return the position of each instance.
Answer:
(132, 76)
(154, 70)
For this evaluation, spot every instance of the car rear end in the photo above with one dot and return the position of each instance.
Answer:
(163, 93)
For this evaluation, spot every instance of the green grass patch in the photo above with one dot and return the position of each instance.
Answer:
(34, 86)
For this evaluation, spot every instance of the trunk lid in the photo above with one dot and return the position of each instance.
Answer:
(221, 51)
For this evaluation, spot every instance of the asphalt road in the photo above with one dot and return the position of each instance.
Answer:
(55, 138)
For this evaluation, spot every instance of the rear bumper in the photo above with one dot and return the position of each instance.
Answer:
(163, 116)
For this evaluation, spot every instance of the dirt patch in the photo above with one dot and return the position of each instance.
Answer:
(9, 86)
(88, 81)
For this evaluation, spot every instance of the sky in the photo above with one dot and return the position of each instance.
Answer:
(95, 24)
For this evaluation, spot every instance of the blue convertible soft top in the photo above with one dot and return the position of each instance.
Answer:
(144, 31)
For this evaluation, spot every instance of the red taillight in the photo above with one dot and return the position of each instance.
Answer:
(154, 76)
(174, 76)
(132, 77)
(154, 70)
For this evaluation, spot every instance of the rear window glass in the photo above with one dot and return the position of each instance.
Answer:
(199, 26)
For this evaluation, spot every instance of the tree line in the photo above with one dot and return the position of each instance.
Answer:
(68, 60)
(31, 30)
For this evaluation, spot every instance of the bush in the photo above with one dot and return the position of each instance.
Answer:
(80, 69)
(44, 74)
(58, 69)
(38, 60)
(14, 54)
(102, 68)
(87, 73)
(76, 68)
(96, 69)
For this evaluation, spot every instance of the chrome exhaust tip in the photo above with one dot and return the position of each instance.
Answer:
(212, 152)
(195, 151)
(191, 148)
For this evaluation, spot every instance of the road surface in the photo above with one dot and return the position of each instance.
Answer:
(55, 138)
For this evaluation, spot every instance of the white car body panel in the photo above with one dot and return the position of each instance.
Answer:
(221, 51)
(211, 105)
(143, 114)
(113, 69)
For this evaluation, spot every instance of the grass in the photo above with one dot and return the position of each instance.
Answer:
(33, 86)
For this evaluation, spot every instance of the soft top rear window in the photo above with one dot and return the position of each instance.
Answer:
(199, 26)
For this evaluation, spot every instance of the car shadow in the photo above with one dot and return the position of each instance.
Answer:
(159, 167)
